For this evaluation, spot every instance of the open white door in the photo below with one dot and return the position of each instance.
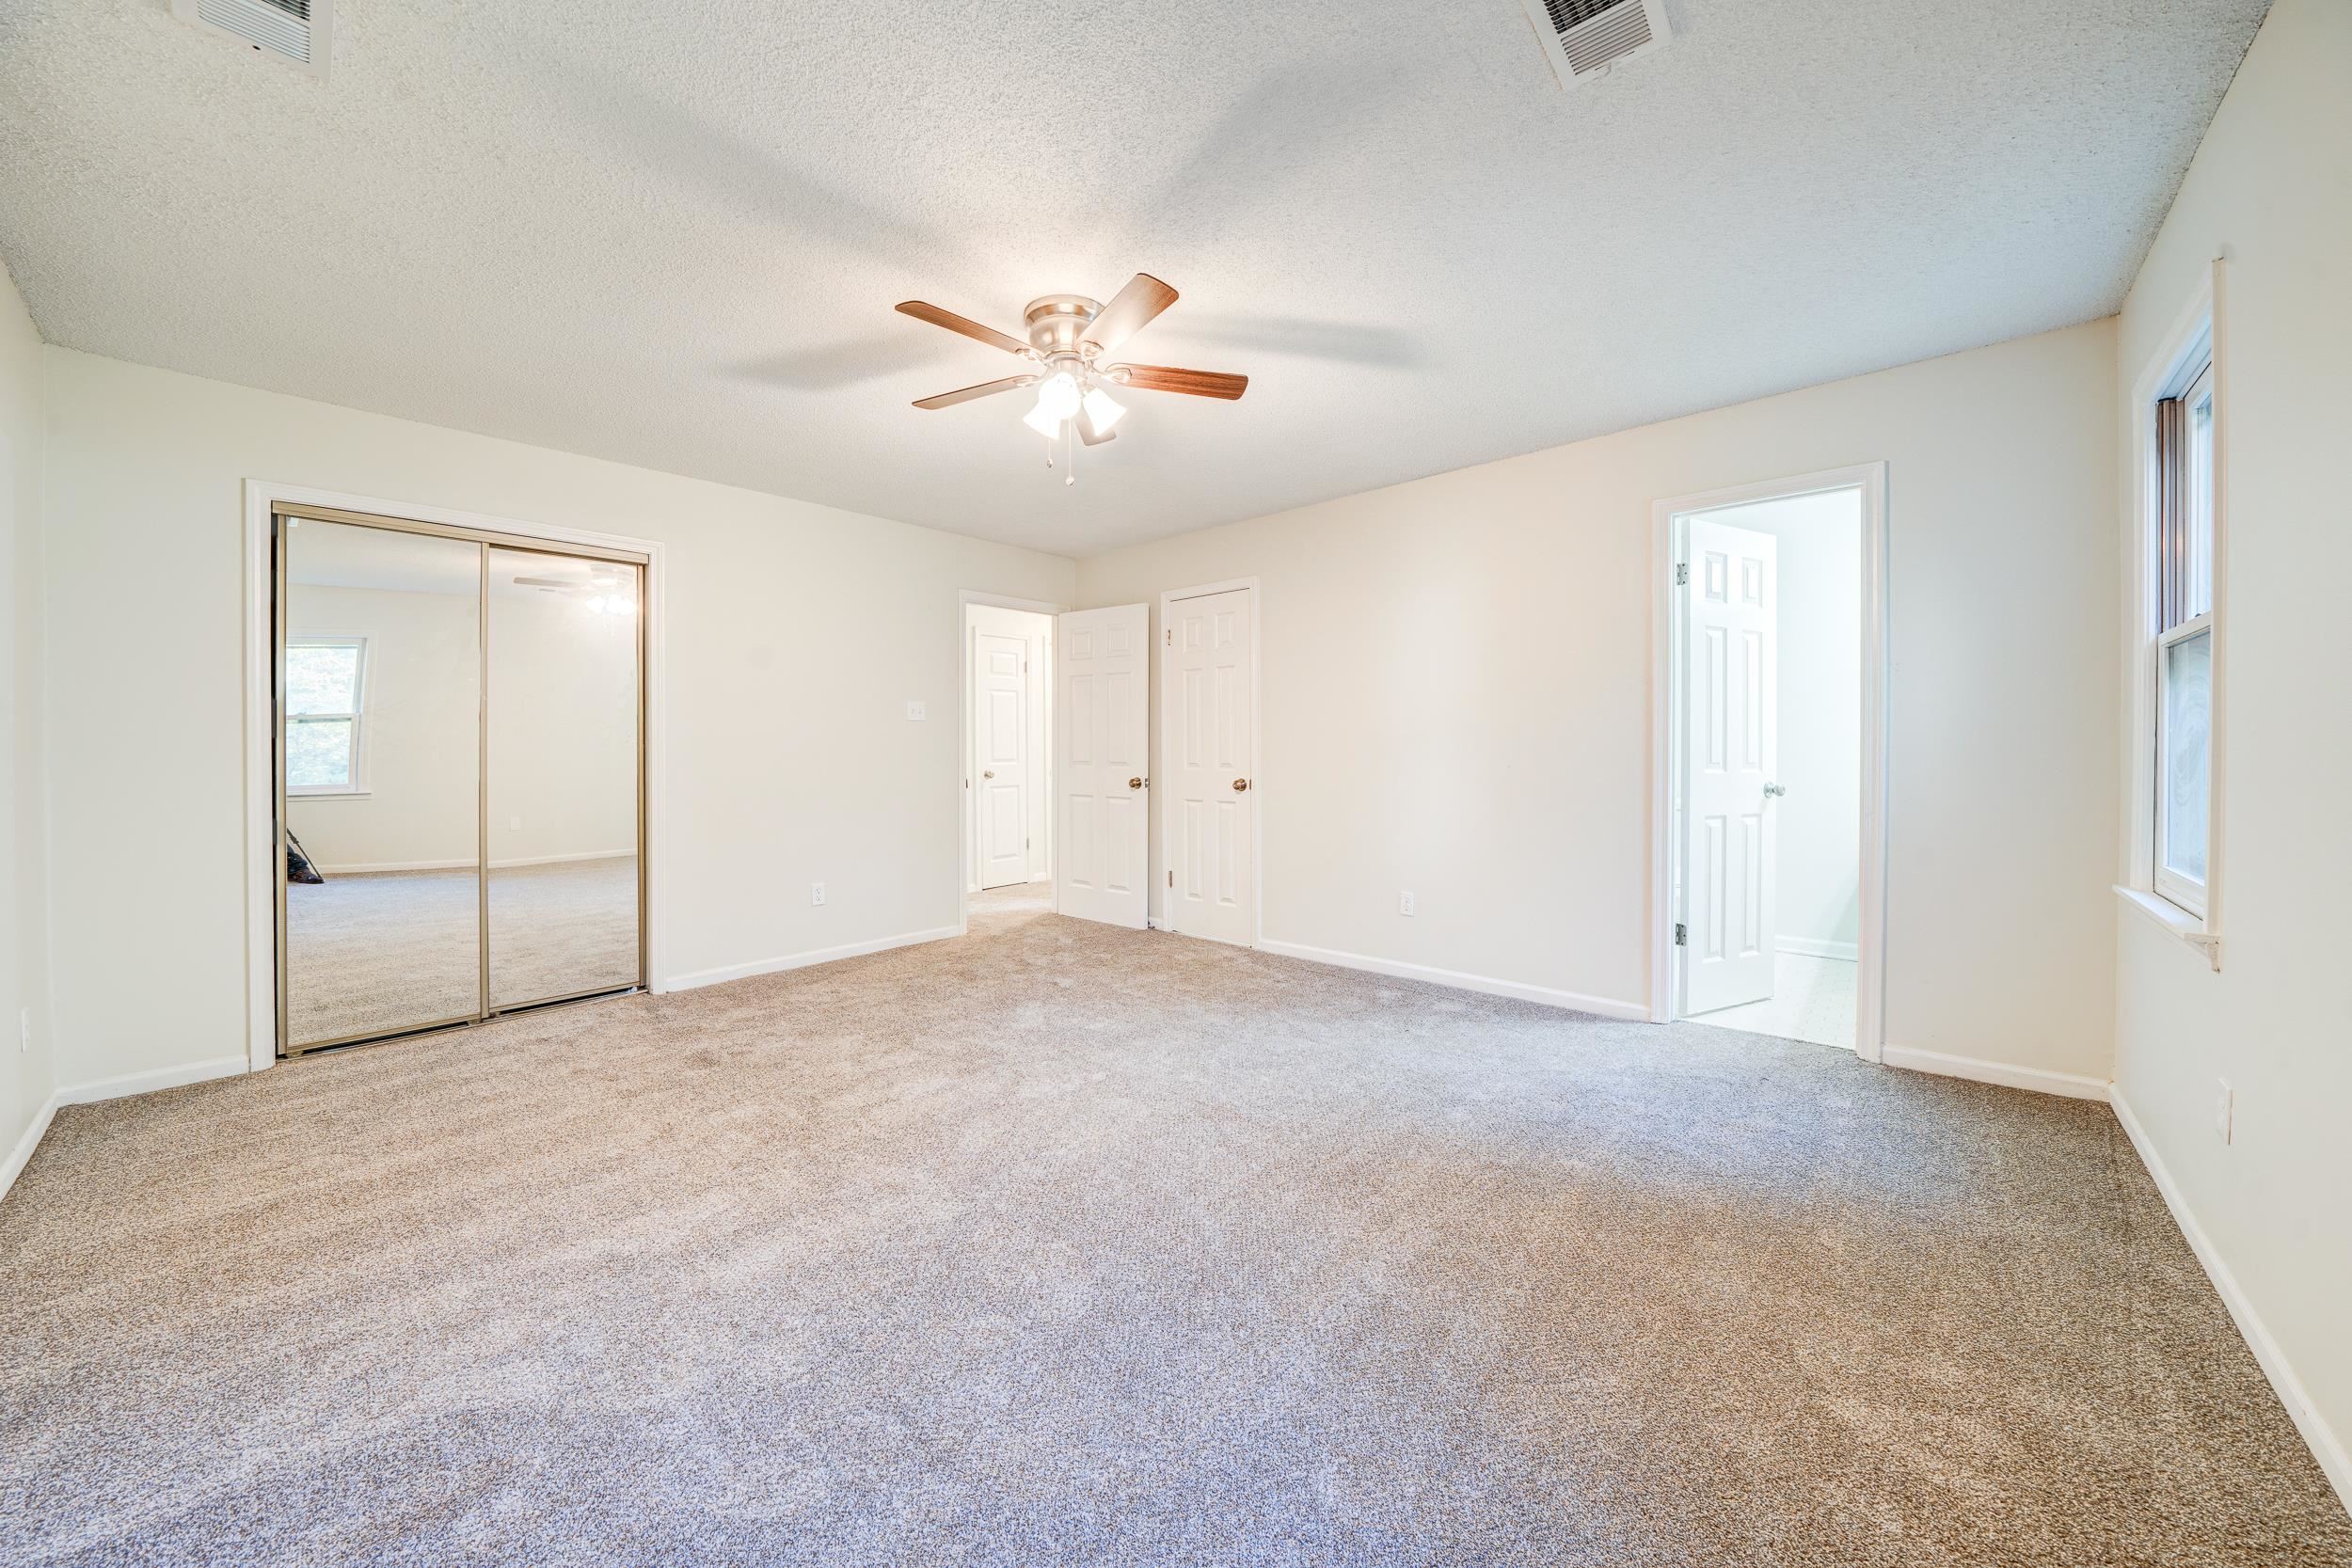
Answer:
(1101, 722)
(1000, 760)
(1208, 667)
(1730, 744)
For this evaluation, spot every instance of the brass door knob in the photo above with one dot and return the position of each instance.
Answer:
(1135, 783)
(1241, 783)
(990, 774)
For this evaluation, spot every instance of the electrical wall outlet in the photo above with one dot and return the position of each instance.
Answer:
(916, 712)
(1403, 903)
(516, 822)
(816, 893)
(2224, 1110)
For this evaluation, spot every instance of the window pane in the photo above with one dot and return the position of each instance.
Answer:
(2187, 751)
(323, 679)
(2197, 504)
(318, 753)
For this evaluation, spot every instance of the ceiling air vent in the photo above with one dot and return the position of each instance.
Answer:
(1584, 38)
(296, 30)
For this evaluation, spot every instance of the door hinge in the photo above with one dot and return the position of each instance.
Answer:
(1682, 573)
(1170, 635)
(1171, 879)
(1682, 934)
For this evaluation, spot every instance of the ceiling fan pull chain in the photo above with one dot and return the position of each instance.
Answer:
(1069, 451)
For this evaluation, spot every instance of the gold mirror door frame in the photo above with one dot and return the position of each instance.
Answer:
(305, 922)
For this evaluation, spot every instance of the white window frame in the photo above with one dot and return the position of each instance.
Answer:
(357, 717)
(2194, 348)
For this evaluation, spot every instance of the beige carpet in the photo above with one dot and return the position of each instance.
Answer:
(384, 951)
(1061, 1245)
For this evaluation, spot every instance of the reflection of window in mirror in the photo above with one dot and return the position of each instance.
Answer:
(326, 704)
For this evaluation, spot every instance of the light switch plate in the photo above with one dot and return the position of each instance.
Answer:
(917, 711)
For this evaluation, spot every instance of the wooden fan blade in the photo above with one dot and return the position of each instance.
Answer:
(965, 394)
(1167, 378)
(964, 324)
(1130, 310)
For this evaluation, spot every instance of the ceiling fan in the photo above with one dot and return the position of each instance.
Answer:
(1070, 340)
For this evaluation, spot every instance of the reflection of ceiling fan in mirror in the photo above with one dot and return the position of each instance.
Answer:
(1070, 340)
(601, 589)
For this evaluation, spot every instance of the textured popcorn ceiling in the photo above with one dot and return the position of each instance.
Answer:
(672, 235)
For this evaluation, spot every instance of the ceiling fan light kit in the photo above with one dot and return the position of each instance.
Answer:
(1070, 339)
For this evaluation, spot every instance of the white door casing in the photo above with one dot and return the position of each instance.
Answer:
(1103, 738)
(1730, 747)
(1000, 757)
(1208, 660)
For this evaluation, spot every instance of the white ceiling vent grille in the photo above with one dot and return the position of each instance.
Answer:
(1586, 38)
(301, 31)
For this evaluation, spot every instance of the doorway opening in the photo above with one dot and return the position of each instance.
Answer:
(1008, 745)
(1772, 677)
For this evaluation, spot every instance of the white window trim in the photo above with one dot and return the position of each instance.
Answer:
(2202, 320)
(358, 787)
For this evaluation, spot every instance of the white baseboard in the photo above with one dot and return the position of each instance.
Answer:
(2071, 1085)
(1811, 947)
(23, 1153)
(382, 868)
(1575, 1001)
(148, 1083)
(701, 978)
(2325, 1445)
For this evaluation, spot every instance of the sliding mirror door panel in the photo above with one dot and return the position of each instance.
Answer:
(563, 800)
(381, 691)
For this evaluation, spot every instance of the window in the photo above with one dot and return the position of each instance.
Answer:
(2184, 625)
(325, 688)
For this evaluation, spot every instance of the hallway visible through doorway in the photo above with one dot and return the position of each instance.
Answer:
(1768, 777)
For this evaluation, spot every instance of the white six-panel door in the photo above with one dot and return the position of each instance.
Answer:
(1102, 741)
(1212, 810)
(1000, 761)
(1730, 750)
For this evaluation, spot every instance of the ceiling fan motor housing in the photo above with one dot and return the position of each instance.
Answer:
(1056, 322)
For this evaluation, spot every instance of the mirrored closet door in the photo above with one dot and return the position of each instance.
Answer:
(460, 761)
(563, 776)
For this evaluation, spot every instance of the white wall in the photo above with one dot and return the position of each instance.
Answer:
(420, 729)
(26, 1076)
(796, 635)
(1819, 833)
(1456, 695)
(1036, 631)
(2271, 188)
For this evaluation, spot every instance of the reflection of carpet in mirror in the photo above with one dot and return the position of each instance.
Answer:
(393, 950)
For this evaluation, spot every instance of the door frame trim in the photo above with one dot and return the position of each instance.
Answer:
(965, 599)
(1164, 811)
(1870, 481)
(262, 500)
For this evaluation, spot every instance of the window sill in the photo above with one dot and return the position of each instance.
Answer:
(293, 795)
(2174, 919)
